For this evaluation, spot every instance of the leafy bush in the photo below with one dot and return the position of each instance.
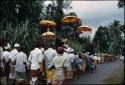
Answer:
(75, 45)
(25, 34)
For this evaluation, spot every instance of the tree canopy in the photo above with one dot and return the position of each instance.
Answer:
(109, 38)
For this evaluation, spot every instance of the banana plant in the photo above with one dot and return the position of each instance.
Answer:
(25, 34)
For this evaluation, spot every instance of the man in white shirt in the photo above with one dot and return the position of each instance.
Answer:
(15, 51)
(73, 60)
(60, 63)
(70, 60)
(14, 54)
(20, 67)
(49, 54)
(36, 58)
(6, 58)
(2, 43)
(95, 58)
(99, 59)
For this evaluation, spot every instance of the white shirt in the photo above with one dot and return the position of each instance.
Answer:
(14, 53)
(59, 61)
(65, 54)
(99, 58)
(72, 57)
(35, 58)
(69, 60)
(69, 49)
(91, 56)
(6, 55)
(49, 54)
(21, 58)
(95, 58)
(76, 58)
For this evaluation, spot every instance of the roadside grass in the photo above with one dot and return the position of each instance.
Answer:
(117, 77)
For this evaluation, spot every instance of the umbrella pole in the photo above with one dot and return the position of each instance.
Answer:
(46, 34)
(70, 29)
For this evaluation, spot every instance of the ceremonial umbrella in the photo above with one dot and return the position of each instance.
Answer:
(47, 23)
(70, 19)
(48, 35)
(48, 38)
(84, 29)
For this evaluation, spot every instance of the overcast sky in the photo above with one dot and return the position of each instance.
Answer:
(96, 13)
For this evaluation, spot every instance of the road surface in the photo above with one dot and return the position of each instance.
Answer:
(101, 73)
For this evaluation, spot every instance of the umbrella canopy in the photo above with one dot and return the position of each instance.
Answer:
(69, 19)
(84, 29)
(47, 23)
(49, 35)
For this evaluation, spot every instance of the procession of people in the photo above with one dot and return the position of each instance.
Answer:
(53, 65)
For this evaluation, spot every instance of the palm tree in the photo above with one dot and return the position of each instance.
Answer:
(115, 36)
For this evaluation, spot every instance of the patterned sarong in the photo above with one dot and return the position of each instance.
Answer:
(35, 73)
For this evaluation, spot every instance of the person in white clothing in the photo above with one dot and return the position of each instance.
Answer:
(6, 57)
(36, 58)
(14, 52)
(13, 56)
(95, 58)
(2, 43)
(70, 60)
(20, 68)
(60, 63)
(99, 59)
(49, 54)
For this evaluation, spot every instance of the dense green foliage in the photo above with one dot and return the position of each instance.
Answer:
(75, 45)
(110, 38)
(19, 20)
(17, 11)
(102, 39)
(19, 23)
(54, 11)
(25, 34)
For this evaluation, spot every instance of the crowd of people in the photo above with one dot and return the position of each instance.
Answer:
(50, 66)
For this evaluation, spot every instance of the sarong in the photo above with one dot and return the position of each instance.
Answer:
(50, 74)
(35, 73)
(20, 75)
